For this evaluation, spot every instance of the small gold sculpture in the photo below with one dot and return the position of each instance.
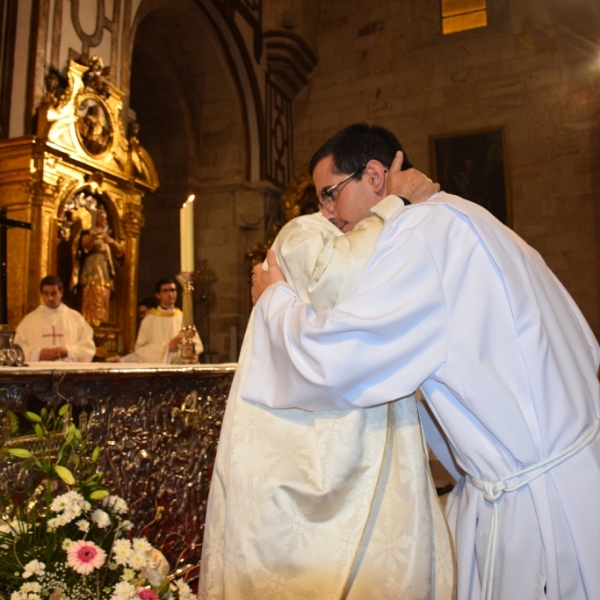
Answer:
(186, 353)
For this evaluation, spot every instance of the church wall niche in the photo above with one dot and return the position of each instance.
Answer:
(194, 121)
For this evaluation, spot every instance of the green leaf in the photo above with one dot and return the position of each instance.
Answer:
(44, 412)
(64, 474)
(33, 417)
(96, 454)
(39, 431)
(20, 452)
(99, 494)
(63, 409)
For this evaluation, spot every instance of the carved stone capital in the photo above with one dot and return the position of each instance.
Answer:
(290, 61)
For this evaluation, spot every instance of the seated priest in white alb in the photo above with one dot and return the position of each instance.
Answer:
(53, 331)
(160, 331)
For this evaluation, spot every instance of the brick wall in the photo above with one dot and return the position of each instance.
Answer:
(534, 71)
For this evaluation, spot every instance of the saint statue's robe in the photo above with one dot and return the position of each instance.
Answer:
(51, 327)
(456, 303)
(336, 504)
(157, 329)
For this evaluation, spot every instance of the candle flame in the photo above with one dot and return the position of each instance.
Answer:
(191, 198)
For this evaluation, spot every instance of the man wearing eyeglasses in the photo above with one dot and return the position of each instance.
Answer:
(455, 303)
(160, 331)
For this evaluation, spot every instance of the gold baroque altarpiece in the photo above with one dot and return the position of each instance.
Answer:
(78, 164)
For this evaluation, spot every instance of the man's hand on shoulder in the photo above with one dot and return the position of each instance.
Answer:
(410, 184)
(262, 279)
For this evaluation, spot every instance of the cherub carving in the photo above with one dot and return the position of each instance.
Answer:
(97, 77)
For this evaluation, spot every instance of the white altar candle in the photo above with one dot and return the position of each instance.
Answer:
(190, 232)
(186, 232)
(182, 229)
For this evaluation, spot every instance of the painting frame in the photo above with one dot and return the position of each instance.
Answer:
(473, 165)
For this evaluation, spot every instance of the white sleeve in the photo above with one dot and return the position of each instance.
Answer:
(379, 345)
(84, 349)
(147, 348)
(23, 338)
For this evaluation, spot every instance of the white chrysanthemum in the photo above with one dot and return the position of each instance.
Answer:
(129, 574)
(138, 560)
(121, 550)
(34, 567)
(75, 497)
(123, 591)
(67, 544)
(60, 503)
(71, 513)
(127, 525)
(59, 521)
(83, 525)
(52, 524)
(183, 590)
(141, 545)
(116, 504)
(31, 586)
(101, 518)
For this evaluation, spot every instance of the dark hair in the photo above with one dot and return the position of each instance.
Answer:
(148, 302)
(51, 280)
(354, 146)
(161, 282)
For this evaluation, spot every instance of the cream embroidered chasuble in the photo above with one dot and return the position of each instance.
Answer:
(335, 504)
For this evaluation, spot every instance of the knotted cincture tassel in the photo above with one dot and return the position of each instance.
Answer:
(494, 490)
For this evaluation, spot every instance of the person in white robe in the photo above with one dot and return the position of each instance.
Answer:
(456, 303)
(330, 504)
(53, 331)
(159, 335)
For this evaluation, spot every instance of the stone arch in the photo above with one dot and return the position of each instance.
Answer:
(241, 68)
(195, 94)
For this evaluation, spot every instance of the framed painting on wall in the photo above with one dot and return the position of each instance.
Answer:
(472, 165)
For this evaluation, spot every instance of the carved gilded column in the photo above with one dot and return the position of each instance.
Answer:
(133, 221)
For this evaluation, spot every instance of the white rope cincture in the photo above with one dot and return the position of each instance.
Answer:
(494, 490)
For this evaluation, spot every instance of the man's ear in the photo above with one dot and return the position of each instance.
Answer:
(375, 174)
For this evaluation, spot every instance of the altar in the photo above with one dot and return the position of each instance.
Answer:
(158, 427)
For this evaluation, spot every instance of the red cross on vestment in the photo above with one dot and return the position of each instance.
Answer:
(53, 335)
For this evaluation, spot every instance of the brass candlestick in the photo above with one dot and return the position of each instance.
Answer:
(186, 353)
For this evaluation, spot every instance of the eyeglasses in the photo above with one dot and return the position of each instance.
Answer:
(328, 194)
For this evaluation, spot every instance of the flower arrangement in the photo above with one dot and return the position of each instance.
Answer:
(62, 535)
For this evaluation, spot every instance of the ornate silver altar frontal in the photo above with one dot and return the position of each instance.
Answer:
(158, 428)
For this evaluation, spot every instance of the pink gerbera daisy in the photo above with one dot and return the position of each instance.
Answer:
(84, 557)
(147, 594)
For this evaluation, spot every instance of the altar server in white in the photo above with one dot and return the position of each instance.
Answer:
(335, 504)
(53, 331)
(160, 331)
(455, 302)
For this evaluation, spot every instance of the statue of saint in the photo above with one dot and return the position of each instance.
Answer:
(98, 253)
